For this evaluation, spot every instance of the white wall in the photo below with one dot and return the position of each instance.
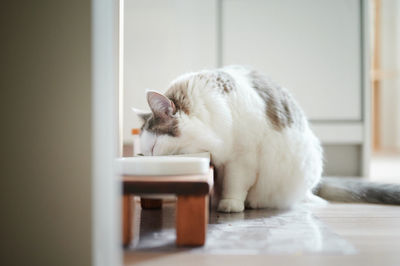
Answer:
(390, 66)
(161, 42)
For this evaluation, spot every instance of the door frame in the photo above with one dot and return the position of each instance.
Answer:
(106, 200)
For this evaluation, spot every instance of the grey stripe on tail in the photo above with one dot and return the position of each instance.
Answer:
(356, 190)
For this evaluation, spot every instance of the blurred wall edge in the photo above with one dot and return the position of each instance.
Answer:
(390, 82)
(46, 186)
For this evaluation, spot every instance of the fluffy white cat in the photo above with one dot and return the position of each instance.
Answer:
(256, 133)
(258, 137)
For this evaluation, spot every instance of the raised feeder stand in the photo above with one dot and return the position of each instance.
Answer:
(192, 206)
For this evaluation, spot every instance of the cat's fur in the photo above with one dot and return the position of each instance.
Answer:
(257, 134)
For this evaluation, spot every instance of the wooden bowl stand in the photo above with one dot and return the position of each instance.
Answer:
(192, 193)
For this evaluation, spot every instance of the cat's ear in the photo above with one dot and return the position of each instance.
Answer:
(160, 105)
(143, 115)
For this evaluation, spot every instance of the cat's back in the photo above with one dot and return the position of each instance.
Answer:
(221, 85)
(211, 82)
(237, 91)
(206, 91)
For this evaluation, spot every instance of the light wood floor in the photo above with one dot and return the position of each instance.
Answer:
(374, 230)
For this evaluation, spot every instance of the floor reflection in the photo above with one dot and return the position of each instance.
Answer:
(294, 231)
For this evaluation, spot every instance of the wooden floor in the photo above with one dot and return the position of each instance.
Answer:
(374, 231)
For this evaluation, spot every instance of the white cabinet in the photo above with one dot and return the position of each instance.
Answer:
(312, 47)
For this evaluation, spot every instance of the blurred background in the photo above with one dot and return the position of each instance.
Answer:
(385, 78)
(339, 58)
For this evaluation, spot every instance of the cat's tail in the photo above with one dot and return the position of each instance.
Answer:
(357, 190)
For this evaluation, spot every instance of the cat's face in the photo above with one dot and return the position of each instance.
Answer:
(164, 130)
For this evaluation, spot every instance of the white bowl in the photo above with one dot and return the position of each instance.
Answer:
(162, 165)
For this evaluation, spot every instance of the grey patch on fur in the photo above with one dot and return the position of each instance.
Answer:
(219, 79)
(281, 109)
(177, 93)
(356, 190)
(161, 126)
(225, 82)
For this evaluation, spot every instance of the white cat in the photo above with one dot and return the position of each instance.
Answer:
(255, 131)
(258, 137)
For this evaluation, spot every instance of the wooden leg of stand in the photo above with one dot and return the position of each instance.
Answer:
(127, 218)
(191, 220)
(150, 203)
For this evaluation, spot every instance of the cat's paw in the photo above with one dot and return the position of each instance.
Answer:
(230, 205)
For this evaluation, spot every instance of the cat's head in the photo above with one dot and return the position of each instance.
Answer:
(166, 129)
